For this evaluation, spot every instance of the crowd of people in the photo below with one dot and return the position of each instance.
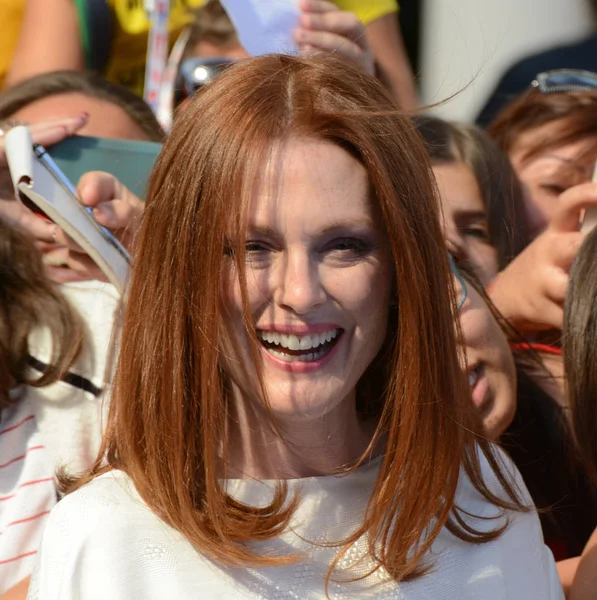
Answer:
(354, 357)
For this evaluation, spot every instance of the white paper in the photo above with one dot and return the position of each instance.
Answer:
(265, 26)
(18, 154)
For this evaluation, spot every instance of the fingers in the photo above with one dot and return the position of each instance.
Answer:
(96, 187)
(63, 265)
(33, 226)
(316, 6)
(49, 133)
(114, 205)
(342, 23)
(565, 248)
(571, 204)
(53, 132)
(329, 42)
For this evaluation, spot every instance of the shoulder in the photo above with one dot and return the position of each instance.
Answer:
(102, 541)
(516, 563)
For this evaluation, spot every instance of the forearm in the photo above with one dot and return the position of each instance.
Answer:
(394, 69)
(18, 592)
(49, 40)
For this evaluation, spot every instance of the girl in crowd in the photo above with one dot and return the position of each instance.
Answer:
(289, 416)
(50, 378)
(551, 139)
(580, 332)
(480, 194)
(531, 425)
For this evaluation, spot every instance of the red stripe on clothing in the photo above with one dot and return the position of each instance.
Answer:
(26, 520)
(26, 484)
(537, 348)
(7, 560)
(18, 424)
(14, 460)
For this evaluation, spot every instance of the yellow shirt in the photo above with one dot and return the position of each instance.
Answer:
(368, 10)
(127, 64)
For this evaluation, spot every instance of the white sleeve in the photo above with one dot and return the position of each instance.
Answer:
(97, 546)
(523, 547)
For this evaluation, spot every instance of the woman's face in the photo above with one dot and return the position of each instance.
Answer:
(465, 219)
(318, 280)
(105, 118)
(491, 370)
(546, 176)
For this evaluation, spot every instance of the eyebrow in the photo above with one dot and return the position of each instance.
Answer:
(471, 214)
(571, 162)
(267, 231)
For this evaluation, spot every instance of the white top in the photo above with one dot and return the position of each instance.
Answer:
(103, 542)
(58, 425)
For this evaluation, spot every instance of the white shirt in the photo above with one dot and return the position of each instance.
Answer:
(103, 542)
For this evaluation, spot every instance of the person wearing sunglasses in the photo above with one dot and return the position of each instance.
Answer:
(550, 136)
(213, 44)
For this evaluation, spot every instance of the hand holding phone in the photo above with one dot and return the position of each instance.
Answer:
(39, 181)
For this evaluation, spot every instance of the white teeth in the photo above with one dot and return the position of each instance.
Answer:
(311, 357)
(296, 342)
(306, 343)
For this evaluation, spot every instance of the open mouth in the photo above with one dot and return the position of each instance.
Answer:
(299, 348)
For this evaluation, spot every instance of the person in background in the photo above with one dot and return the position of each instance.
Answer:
(57, 105)
(551, 140)
(298, 422)
(480, 193)
(53, 350)
(526, 416)
(578, 55)
(580, 333)
(111, 38)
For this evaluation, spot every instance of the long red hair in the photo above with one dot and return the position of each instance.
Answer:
(167, 421)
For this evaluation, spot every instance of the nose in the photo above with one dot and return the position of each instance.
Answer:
(455, 243)
(300, 288)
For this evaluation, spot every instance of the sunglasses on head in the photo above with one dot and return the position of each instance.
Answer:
(196, 72)
(565, 80)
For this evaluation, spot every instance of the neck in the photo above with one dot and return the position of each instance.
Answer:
(297, 447)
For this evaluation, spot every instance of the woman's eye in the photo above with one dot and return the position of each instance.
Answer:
(553, 189)
(252, 247)
(349, 247)
(479, 232)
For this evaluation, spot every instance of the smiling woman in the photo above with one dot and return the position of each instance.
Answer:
(289, 416)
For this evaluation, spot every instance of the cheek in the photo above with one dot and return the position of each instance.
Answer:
(364, 293)
(484, 259)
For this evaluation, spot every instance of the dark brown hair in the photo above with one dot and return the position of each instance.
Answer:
(500, 188)
(579, 346)
(573, 117)
(88, 84)
(28, 301)
(168, 410)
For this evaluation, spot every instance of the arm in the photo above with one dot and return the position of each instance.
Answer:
(18, 592)
(394, 70)
(49, 40)
(585, 580)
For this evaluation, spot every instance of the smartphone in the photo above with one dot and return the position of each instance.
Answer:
(130, 161)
